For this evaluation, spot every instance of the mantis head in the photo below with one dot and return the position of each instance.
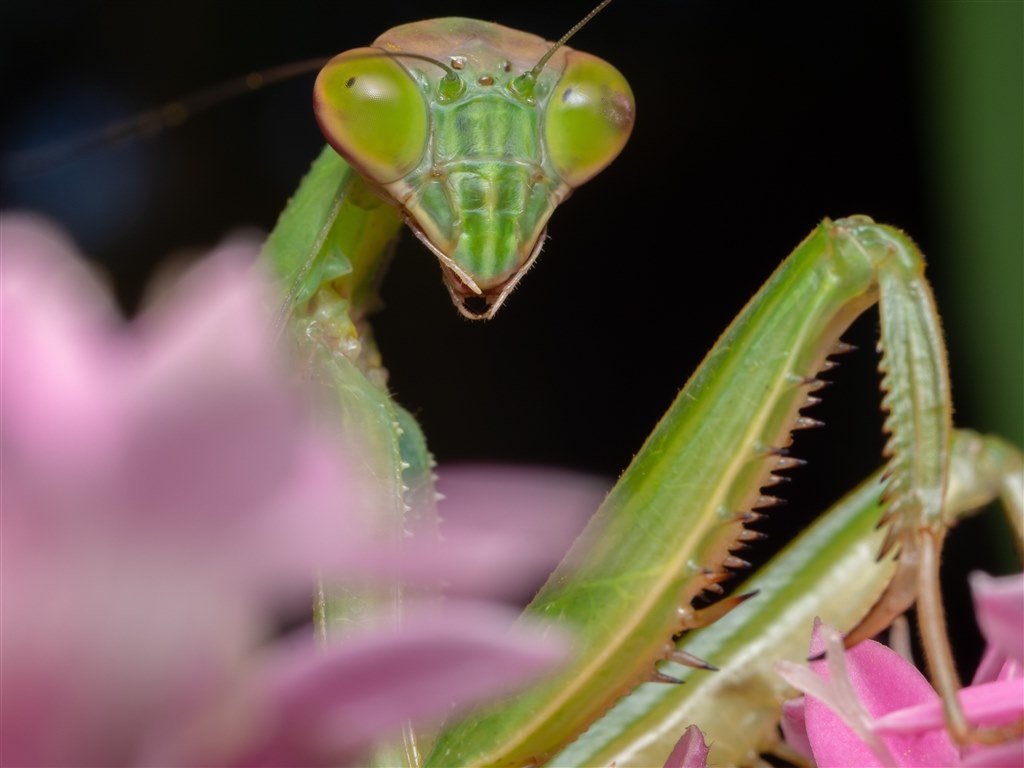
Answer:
(476, 132)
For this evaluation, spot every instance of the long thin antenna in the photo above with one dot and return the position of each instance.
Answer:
(565, 38)
(30, 162)
(523, 85)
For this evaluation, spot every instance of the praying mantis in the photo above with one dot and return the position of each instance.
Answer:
(536, 120)
(521, 297)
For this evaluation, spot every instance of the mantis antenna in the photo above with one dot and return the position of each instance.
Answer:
(523, 85)
(43, 159)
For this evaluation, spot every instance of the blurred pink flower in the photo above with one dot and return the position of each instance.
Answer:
(690, 751)
(511, 524)
(163, 493)
(869, 707)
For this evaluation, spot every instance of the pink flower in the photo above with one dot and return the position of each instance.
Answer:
(999, 603)
(511, 524)
(869, 707)
(690, 751)
(164, 495)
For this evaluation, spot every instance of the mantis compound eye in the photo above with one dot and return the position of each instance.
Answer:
(589, 118)
(372, 112)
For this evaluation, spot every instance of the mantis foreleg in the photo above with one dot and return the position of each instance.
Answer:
(329, 250)
(665, 532)
(830, 572)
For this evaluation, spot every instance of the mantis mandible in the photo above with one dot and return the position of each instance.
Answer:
(478, 137)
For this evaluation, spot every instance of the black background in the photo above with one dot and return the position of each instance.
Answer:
(755, 120)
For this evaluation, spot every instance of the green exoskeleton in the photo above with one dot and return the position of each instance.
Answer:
(472, 134)
(469, 145)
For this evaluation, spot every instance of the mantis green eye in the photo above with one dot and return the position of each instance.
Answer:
(372, 112)
(589, 118)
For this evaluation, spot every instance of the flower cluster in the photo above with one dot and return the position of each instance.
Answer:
(870, 707)
(166, 496)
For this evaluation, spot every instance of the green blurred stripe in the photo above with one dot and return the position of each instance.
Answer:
(976, 50)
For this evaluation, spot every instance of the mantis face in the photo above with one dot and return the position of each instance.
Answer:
(447, 121)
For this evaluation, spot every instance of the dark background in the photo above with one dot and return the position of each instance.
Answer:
(755, 120)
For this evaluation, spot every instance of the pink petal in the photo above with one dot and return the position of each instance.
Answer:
(332, 705)
(884, 682)
(794, 726)
(55, 391)
(994, 666)
(212, 419)
(991, 704)
(999, 605)
(690, 751)
(1009, 755)
(216, 448)
(506, 527)
(503, 530)
(97, 648)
